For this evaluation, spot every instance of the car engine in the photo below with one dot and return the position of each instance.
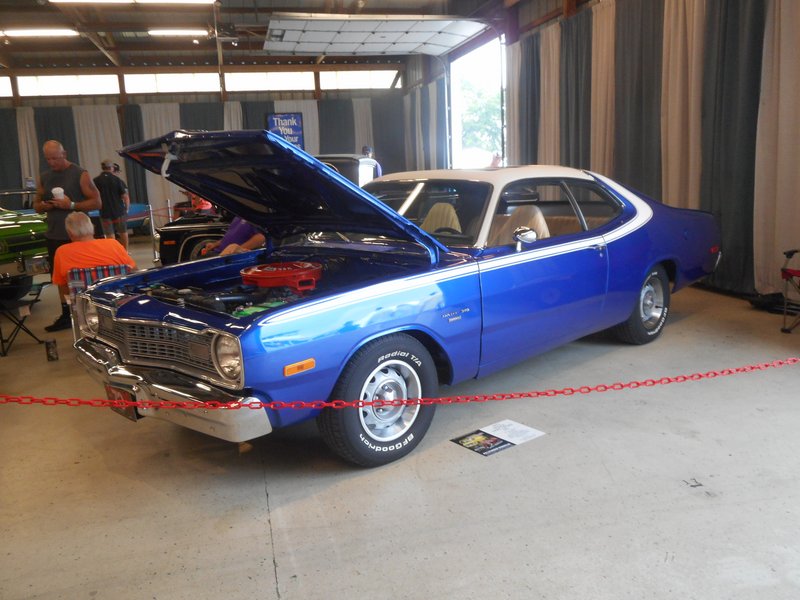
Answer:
(263, 287)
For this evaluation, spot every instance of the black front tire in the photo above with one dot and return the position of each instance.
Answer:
(391, 368)
(649, 316)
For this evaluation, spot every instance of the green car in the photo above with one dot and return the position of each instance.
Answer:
(23, 252)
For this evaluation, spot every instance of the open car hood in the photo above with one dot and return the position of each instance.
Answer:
(273, 184)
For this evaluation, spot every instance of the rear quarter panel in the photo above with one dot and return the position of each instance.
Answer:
(681, 239)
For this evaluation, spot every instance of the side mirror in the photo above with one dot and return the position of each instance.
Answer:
(524, 235)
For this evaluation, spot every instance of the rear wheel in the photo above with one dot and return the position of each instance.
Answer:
(392, 368)
(650, 313)
(196, 249)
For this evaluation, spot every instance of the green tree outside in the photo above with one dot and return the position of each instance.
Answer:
(480, 120)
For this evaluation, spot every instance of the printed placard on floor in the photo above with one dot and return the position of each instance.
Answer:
(497, 437)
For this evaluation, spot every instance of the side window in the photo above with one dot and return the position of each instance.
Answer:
(596, 206)
(540, 204)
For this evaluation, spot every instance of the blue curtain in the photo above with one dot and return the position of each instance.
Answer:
(56, 123)
(10, 167)
(637, 110)
(254, 114)
(734, 39)
(388, 132)
(530, 99)
(576, 89)
(133, 132)
(337, 130)
(203, 115)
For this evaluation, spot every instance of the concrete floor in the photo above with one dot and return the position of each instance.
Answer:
(682, 491)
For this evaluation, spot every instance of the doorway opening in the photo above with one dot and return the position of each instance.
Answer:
(477, 80)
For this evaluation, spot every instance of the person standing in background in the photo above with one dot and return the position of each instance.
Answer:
(116, 202)
(64, 188)
(370, 153)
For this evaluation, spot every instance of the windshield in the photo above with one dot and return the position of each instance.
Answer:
(356, 241)
(451, 210)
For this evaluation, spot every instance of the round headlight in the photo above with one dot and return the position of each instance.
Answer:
(228, 356)
(91, 320)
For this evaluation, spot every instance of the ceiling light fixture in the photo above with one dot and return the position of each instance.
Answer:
(92, 1)
(174, 1)
(40, 33)
(187, 2)
(178, 32)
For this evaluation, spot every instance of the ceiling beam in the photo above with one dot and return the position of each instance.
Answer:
(220, 61)
(79, 22)
(109, 53)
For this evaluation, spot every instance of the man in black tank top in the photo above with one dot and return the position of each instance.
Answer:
(77, 192)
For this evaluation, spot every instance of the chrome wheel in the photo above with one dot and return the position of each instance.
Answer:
(650, 310)
(392, 380)
(651, 302)
(394, 367)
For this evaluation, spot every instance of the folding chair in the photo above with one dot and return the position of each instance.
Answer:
(80, 279)
(791, 279)
(17, 311)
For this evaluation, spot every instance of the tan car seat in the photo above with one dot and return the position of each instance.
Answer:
(441, 215)
(526, 215)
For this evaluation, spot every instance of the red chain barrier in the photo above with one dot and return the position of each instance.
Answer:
(319, 404)
(136, 216)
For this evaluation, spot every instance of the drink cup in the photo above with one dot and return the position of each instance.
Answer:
(58, 193)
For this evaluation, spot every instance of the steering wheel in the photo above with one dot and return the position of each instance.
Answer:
(451, 230)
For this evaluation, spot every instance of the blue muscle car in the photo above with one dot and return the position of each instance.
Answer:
(427, 278)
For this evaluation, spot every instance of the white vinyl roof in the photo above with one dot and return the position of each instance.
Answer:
(499, 176)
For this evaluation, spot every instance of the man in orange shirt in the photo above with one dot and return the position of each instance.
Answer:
(82, 252)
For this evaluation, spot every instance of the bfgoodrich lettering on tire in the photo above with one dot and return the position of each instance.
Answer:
(650, 313)
(391, 368)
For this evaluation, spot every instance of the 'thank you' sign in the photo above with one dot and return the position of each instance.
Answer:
(289, 126)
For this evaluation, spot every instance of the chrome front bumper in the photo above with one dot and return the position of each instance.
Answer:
(145, 383)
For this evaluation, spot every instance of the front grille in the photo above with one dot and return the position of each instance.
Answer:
(150, 343)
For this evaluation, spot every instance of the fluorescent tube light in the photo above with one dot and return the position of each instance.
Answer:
(174, 1)
(92, 1)
(131, 1)
(40, 33)
(178, 32)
